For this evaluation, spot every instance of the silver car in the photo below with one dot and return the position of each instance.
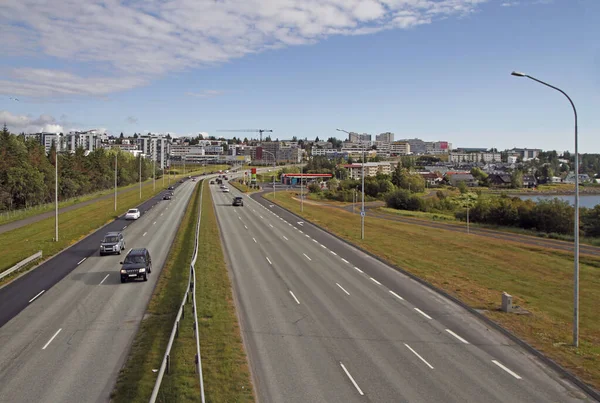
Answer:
(113, 243)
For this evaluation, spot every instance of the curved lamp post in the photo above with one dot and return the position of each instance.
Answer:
(576, 234)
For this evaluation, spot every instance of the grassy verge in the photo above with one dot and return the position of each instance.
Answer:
(225, 367)
(417, 214)
(73, 225)
(449, 219)
(242, 187)
(15, 215)
(136, 379)
(477, 270)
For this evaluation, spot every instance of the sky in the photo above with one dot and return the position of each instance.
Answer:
(438, 70)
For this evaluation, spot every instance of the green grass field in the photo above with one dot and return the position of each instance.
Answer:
(224, 362)
(73, 226)
(136, 379)
(477, 270)
(15, 215)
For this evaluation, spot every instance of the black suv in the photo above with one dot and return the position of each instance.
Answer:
(113, 242)
(238, 201)
(137, 264)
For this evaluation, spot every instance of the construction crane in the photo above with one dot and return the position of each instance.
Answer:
(260, 131)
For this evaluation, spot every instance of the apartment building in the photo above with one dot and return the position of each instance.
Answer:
(359, 138)
(371, 169)
(437, 147)
(89, 141)
(387, 137)
(457, 157)
(400, 148)
(155, 147)
(526, 154)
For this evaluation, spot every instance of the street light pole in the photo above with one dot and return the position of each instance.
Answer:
(301, 188)
(576, 229)
(56, 194)
(140, 176)
(362, 210)
(116, 181)
(154, 170)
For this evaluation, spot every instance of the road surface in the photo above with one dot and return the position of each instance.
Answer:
(323, 322)
(68, 325)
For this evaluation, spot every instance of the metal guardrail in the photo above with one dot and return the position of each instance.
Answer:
(21, 264)
(165, 365)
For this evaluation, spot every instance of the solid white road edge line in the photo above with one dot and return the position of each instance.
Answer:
(307, 256)
(457, 336)
(394, 294)
(296, 299)
(268, 260)
(375, 281)
(105, 277)
(506, 369)
(342, 288)
(40, 293)
(352, 379)
(422, 313)
(81, 261)
(417, 354)
(52, 338)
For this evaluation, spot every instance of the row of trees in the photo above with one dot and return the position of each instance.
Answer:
(550, 216)
(27, 174)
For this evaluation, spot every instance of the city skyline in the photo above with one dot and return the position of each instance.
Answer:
(429, 70)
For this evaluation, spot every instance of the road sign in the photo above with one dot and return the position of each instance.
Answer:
(362, 214)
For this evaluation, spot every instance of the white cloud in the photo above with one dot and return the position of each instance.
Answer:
(137, 41)
(29, 124)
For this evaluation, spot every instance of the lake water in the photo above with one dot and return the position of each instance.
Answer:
(584, 200)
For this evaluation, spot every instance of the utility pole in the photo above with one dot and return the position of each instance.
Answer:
(301, 188)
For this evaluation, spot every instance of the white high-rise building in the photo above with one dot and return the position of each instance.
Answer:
(156, 148)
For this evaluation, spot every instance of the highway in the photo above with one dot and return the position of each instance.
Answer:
(67, 326)
(323, 322)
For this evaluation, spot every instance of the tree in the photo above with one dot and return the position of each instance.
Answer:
(333, 184)
(462, 187)
(516, 179)
(245, 140)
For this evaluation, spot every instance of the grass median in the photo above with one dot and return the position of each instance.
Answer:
(224, 362)
(73, 226)
(136, 378)
(477, 270)
(242, 187)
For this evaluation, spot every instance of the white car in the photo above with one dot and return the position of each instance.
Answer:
(132, 214)
(226, 189)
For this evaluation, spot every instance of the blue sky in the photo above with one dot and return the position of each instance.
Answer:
(437, 70)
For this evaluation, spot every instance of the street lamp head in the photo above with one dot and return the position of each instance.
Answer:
(518, 74)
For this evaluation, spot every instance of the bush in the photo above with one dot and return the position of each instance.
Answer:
(402, 199)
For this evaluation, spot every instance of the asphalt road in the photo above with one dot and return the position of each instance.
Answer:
(323, 322)
(66, 327)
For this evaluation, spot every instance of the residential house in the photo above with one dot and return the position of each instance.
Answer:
(499, 180)
(431, 178)
(467, 178)
(582, 178)
(529, 181)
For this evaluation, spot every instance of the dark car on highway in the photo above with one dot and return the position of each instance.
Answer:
(171, 188)
(238, 201)
(137, 264)
(167, 196)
